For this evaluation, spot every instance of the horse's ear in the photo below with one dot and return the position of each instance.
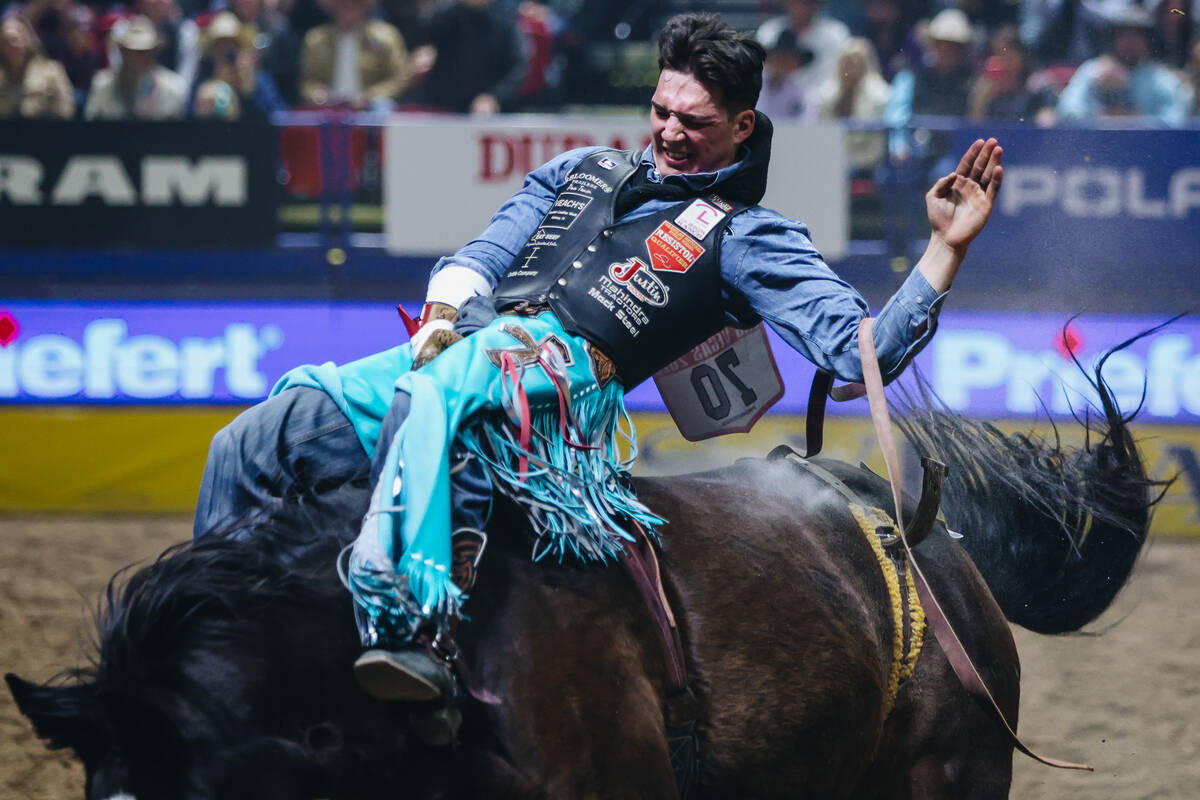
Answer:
(67, 715)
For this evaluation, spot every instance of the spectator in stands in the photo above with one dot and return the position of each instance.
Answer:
(858, 92)
(540, 28)
(232, 85)
(942, 87)
(411, 18)
(475, 59)
(31, 85)
(82, 54)
(50, 20)
(785, 95)
(888, 25)
(353, 61)
(819, 38)
(177, 37)
(1126, 81)
(138, 88)
(266, 27)
(1003, 91)
(1060, 31)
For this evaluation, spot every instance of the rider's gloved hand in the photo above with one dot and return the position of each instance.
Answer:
(449, 288)
(435, 334)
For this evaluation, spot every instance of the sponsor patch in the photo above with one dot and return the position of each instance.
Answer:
(672, 250)
(642, 283)
(607, 163)
(566, 209)
(699, 218)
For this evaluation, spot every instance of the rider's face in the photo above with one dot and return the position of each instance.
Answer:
(691, 132)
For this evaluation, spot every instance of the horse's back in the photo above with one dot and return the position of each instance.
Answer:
(787, 619)
(785, 613)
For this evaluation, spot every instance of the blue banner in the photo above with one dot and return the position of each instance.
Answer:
(202, 353)
(984, 364)
(1083, 207)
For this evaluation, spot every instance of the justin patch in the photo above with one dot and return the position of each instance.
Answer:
(672, 250)
(641, 283)
(699, 218)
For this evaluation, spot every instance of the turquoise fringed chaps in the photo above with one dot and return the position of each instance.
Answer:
(521, 395)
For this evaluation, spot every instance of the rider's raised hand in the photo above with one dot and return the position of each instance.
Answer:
(960, 203)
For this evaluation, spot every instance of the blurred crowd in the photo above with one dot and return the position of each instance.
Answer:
(875, 62)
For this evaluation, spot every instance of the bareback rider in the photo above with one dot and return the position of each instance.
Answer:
(566, 308)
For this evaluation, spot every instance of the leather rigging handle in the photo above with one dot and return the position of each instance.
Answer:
(935, 617)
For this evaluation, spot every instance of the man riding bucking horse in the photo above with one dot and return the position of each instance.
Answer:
(604, 267)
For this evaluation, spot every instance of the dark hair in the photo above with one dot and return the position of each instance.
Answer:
(722, 59)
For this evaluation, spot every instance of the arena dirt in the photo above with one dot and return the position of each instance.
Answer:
(1126, 701)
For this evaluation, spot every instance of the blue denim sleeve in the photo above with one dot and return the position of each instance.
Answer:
(772, 269)
(493, 250)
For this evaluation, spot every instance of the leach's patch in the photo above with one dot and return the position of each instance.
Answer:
(607, 163)
(671, 249)
(699, 218)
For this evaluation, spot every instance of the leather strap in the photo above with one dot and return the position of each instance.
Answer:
(681, 709)
(936, 618)
(814, 413)
(642, 564)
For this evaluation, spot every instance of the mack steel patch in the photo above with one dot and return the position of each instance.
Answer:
(672, 250)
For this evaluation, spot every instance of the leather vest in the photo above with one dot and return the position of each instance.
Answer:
(644, 291)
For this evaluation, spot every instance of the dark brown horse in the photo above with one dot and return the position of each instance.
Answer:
(223, 669)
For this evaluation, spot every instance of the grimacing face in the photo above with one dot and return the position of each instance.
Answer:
(690, 131)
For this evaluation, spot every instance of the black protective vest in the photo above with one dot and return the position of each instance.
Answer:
(644, 291)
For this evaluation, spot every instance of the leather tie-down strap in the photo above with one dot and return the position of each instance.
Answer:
(814, 413)
(681, 709)
(936, 618)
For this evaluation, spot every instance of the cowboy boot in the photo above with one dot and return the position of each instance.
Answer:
(410, 673)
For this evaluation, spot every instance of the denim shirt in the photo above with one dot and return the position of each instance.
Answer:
(770, 271)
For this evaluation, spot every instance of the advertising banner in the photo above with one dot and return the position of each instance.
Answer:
(445, 177)
(1003, 365)
(1092, 203)
(166, 184)
(193, 353)
(996, 365)
(140, 362)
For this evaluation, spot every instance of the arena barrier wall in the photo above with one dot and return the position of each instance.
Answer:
(79, 459)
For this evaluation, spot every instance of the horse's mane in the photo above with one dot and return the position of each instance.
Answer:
(196, 608)
(208, 591)
(1054, 530)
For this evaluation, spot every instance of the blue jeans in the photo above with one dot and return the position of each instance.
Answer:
(295, 444)
(300, 444)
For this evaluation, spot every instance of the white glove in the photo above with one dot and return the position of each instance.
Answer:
(449, 289)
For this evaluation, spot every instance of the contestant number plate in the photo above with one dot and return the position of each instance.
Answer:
(723, 385)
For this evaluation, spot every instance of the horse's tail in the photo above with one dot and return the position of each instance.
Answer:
(1054, 531)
